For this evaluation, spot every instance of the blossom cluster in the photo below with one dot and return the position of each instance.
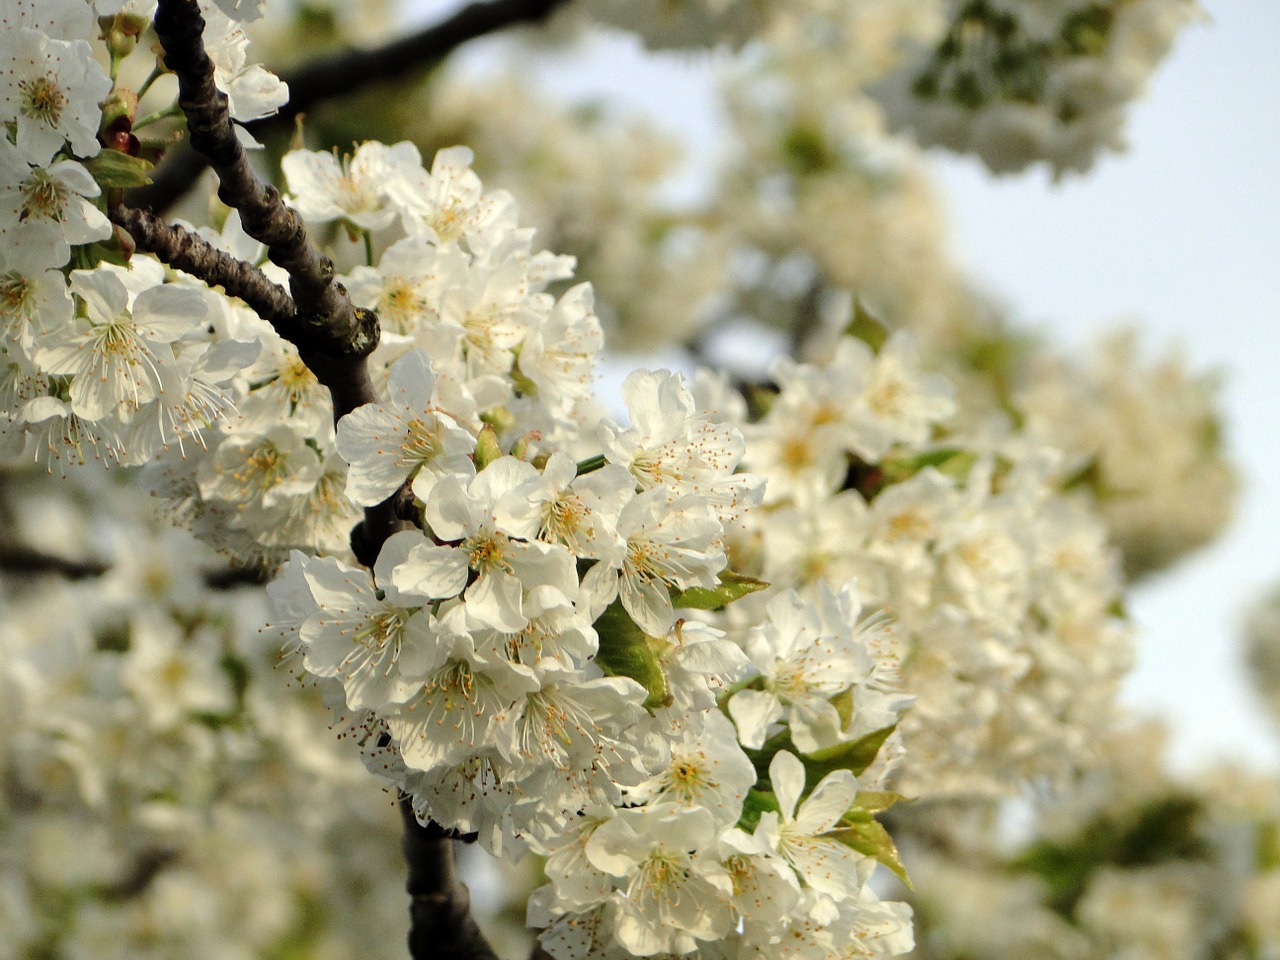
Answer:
(516, 663)
(1001, 583)
(164, 791)
(668, 652)
(1129, 862)
(99, 361)
(1019, 81)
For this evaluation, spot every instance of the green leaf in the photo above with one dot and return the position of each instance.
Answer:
(627, 651)
(855, 756)
(869, 837)
(866, 327)
(754, 804)
(878, 801)
(950, 461)
(733, 586)
(111, 168)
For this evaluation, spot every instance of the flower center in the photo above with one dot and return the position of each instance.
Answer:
(42, 99)
(17, 296)
(43, 198)
(420, 442)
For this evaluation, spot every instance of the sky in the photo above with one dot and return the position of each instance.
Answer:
(1179, 235)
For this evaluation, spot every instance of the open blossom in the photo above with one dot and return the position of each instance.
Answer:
(806, 653)
(354, 188)
(378, 645)
(488, 536)
(798, 835)
(673, 893)
(51, 90)
(671, 446)
(450, 205)
(668, 544)
(116, 355)
(46, 210)
(411, 437)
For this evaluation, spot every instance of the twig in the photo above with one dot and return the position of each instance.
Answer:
(190, 252)
(148, 865)
(24, 561)
(439, 904)
(346, 71)
(334, 336)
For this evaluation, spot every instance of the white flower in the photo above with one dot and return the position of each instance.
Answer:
(51, 89)
(60, 19)
(376, 644)
(44, 210)
(260, 470)
(117, 353)
(408, 284)
(450, 205)
(806, 653)
(824, 863)
(707, 770)
(668, 544)
(559, 354)
(674, 894)
(671, 446)
(488, 539)
(409, 437)
(354, 188)
(34, 301)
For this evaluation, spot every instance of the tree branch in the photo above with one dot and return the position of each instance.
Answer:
(346, 71)
(26, 562)
(334, 336)
(439, 905)
(190, 252)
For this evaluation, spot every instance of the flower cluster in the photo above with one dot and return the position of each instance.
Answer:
(1019, 81)
(164, 792)
(99, 361)
(1002, 585)
(517, 663)
(1130, 862)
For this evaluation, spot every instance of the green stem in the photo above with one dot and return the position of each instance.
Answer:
(152, 77)
(174, 110)
(591, 464)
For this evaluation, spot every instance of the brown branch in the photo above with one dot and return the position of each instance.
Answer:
(439, 904)
(26, 562)
(190, 252)
(145, 869)
(333, 339)
(346, 71)
(334, 336)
